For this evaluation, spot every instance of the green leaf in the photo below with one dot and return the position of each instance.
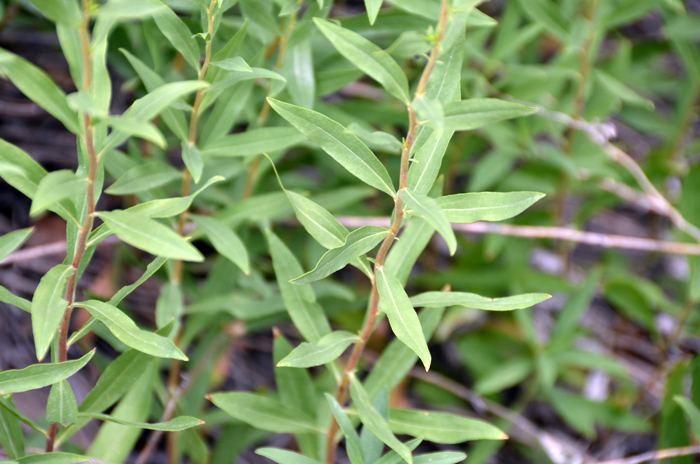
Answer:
(478, 112)
(261, 16)
(54, 187)
(305, 312)
(177, 424)
(368, 57)
(392, 457)
(150, 105)
(428, 209)
(376, 140)
(169, 207)
(53, 458)
(440, 427)
(62, 407)
(178, 34)
(38, 87)
(427, 161)
(149, 235)
(549, 15)
(213, 92)
(373, 447)
(342, 146)
(691, 411)
(144, 177)
(19, 169)
(405, 252)
(622, 91)
(236, 64)
(327, 349)
(175, 119)
(352, 440)
(193, 160)
(397, 359)
(264, 413)
(225, 241)
(402, 317)
(133, 127)
(466, 208)
(298, 69)
(372, 7)
(375, 422)
(440, 457)
(169, 305)
(472, 300)
(128, 9)
(40, 375)
(13, 240)
(253, 142)
(317, 221)
(59, 11)
(11, 437)
(48, 307)
(282, 456)
(429, 112)
(128, 333)
(14, 300)
(357, 243)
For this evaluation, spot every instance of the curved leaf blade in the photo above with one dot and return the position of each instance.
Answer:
(440, 427)
(466, 208)
(48, 307)
(472, 300)
(327, 349)
(428, 209)
(40, 375)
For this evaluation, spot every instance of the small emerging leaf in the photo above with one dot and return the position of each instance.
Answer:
(48, 307)
(327, 349)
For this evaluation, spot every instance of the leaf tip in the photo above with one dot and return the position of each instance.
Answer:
(201, 422)
(208, 397)
(505, 436)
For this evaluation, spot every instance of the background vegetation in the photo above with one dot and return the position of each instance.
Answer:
(162, 107)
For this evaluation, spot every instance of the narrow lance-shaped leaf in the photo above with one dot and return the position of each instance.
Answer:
(48, 307)
(225, 241)
(38, 87)
(7, 297)
(193, 160)
(178, 34)
(253, 142)
(352, 440)
(317, 221)
(307, 315)
(357, 243)
(62, 407)
(327, 349)
(149, 235)
(127, 332)
(40, 375)
(264, 413)
(368, 57)
(472, 300)
(402, 317)
(177, 424)
(478, 112)
(428, 209)
(440, 427)
(342, 146)
(169, 207)
(11, 436)
(691, 411)
(283, 456)
(54, 187)
(466, 208)
(372, 7)
(427, 161)
(58, 11)
(143, 178)
(52, 458)
(375, 422)
(13, 240)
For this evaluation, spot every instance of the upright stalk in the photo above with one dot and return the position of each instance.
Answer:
(386, 245)
(86, 227)
(174, 373)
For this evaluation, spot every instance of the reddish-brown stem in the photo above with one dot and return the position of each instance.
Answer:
(373, 312)
(86, 227)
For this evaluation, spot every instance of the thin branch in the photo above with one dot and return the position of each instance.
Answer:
(656, 455)
(601, 134)
(557, 451)
(556, 233)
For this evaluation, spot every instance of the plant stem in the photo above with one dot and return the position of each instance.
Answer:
(399, 212)
(86, 227)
